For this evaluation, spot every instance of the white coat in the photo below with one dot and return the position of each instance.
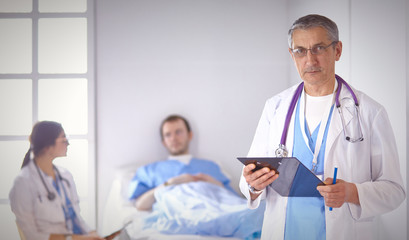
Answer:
(373, 165)
(36, 216)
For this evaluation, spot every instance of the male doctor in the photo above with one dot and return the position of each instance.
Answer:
(359, 141)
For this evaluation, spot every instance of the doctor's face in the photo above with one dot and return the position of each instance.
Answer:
(319, 68)
(176, 137)
(59, 149)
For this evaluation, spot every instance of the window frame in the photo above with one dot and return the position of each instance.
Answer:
(35, 76)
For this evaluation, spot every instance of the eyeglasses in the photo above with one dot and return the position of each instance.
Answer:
(315, 50)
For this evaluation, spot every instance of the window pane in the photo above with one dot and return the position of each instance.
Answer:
(77, 163)
(15, 107)
(15, 45)
(62, 5)
(16, 6)
(11, 157)
(8, 227)
(62, 45)
(64, 101)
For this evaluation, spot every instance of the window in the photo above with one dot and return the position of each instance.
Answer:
(46, 73)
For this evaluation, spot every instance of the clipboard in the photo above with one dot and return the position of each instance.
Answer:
(295, 180)
(116, 233)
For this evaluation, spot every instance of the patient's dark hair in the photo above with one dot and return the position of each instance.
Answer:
(172, 118)
(43, 135)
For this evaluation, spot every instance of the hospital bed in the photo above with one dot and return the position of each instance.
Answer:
(119, 211)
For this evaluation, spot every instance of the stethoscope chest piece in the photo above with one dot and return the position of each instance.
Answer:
(51, 196)
(281, 151)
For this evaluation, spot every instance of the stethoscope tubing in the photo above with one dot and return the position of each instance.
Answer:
(51, 195)
(290, 111)
(297, 94)
(340, 80)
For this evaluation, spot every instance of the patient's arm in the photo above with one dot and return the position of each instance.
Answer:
(209, 179)
(146, 200)
(185, 178)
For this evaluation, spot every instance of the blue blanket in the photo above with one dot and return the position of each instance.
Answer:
(201, 208)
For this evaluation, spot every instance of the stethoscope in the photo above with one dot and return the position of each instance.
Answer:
(281, 151)
(51, 195)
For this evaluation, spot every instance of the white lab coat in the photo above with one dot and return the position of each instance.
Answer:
(37, 216)
(373, 165)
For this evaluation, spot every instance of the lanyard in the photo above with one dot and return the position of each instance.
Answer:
(322, 126)
(71, 218)
(66, 203)
(281, 151)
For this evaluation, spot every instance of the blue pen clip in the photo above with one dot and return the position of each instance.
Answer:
(334, 180)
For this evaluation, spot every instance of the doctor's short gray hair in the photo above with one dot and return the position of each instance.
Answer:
(311, 21)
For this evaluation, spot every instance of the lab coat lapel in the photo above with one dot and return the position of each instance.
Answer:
(336, 127)
(40, 186)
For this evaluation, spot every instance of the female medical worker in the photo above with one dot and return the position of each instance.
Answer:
(43, 197)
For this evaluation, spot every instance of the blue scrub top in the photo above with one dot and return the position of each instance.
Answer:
(305, 216)
(68, 210)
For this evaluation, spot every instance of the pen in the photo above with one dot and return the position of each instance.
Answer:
(334, 180)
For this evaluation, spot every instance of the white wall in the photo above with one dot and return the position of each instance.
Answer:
(216, 62)
(407, 111)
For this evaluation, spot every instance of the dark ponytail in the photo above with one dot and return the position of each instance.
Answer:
(26, 158)
(43, 135)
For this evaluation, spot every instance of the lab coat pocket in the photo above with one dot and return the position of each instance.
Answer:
(46, 210)
(365, 228)
(365, 220)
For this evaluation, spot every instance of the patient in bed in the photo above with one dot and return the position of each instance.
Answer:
(187, 195)
(180, 167)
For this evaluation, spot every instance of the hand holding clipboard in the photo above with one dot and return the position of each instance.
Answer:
(295, 180)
